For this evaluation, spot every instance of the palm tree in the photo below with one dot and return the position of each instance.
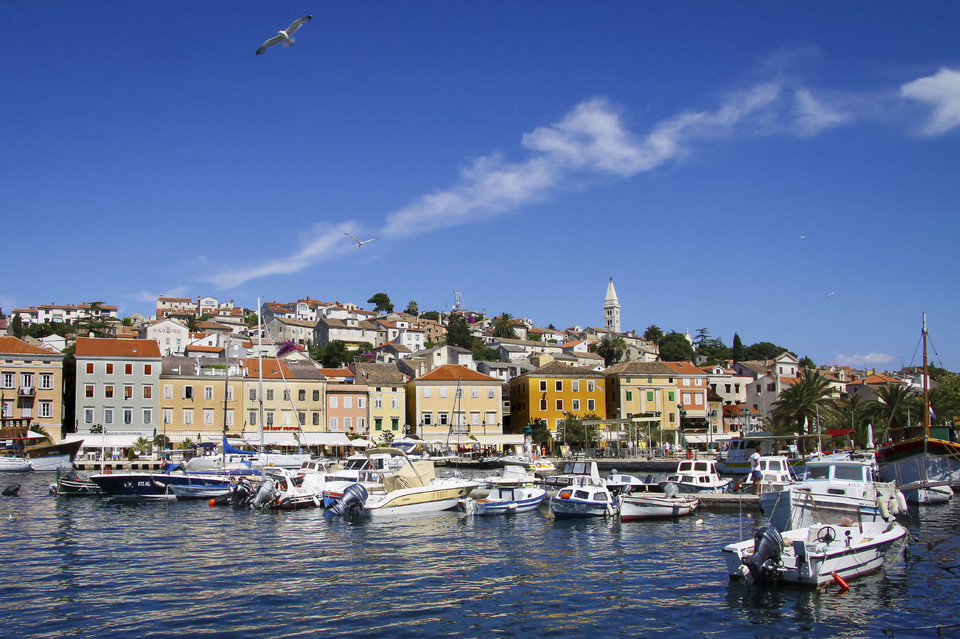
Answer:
(893, 405)
(186, 443)
(142, 445)
(852, 413)
(503, 327)
(611, 349)
(802, 403)
(38, 430)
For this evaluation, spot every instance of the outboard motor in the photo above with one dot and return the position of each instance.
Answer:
(762, 564)
(264, 495)
(351, 504)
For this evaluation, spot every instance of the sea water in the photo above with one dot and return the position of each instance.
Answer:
(95, 567)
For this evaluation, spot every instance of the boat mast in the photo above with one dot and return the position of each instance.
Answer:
(260, 369)
(926, 394)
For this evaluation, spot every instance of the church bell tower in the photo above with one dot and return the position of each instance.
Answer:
(611, 310)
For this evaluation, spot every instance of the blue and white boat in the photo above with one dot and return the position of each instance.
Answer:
(583, 499)
(151, 485)
(505, 500)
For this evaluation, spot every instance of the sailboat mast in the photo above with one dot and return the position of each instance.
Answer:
(926, 394)
(260, 369)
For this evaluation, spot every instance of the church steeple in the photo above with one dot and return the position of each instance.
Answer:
(611, 309)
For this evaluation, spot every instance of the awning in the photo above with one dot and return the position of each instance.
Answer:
(360, 443)
(499, 440)
(110, 440)
(838, 432)
(458, 439)
(324, 439)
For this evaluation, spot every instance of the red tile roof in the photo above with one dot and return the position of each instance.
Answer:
(454, 372)
(14, 345)
(102, 347)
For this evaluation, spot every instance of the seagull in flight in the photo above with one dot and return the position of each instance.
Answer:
(831, 293)
(359, 241)
(285, 36)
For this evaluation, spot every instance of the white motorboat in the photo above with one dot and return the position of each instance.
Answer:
(364, 469)
(511, 475)
(833, 491)
(698, 476)
(813, 555)
(284, 489)
(412, 487)
(505, 500)
(583, 499)
(530, 462)
(618, 483)
(573, 473)
(650, 502)
(775, 475)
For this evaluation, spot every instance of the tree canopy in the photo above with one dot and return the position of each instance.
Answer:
(675, 348)
(381, 302)
(458, 332)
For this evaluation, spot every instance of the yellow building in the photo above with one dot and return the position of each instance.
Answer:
(31, 385)
(452, 402)
(200, 398)
(555, 391)
(386, 387)
(293, 398)
(644, 389)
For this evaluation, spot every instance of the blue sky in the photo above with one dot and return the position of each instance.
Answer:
(730, 165)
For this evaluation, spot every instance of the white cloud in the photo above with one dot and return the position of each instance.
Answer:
(942, 91)
(813, 116)
(865, 361)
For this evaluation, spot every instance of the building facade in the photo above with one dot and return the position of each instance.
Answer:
(31, 385)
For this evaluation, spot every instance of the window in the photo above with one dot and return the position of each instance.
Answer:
(87, 415)
(395, 402)
(88, 390)
(698, 398)
(107, 415)
(187, 416)
(426, 419)
(378, 403)
(576, 406)
(128, 391)
(444, 419)
(687, 399)
(207, 416)
(347, 403)
(672, 417)
(252, 418)
(558, 385)
(671, 396)
(726, 388)
(269, 394)
(316, 418)
(649, 396)
(45, 409)
(108, 391)
(285, 418)
(759, 387)
(575, 384)
(377, 423)
(543, 405)
(109, 369)
(316, 395)
(253, 394)
(167, 391)
(491, 392)
(89, 369)
(188, 392)
(208, 392)
(686, 381)
(543, 386)
(475, 392)
(629, 396)
(269, 418)
(698, 382)
(7, 380)
(771, 387)
(147, 392)
(147, 369)
(348, 423)
(394, 423)
(26, 379)
(334, 424)
(443, 391)
(127, 416)
(46, 381)
(361, 403)
(128, 369)
(167, 415)
(591, 386)
(475, 418)
(560, 404)
(229, 393)
(302, 395)
(334, 401)
(426, 391)
(286, 395)
(591, 405)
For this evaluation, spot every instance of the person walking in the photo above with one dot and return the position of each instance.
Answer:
(755, 474)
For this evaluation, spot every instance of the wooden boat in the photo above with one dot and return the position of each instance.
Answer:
(653, 503)
(505, 500)
(73, 485)
(812, 556)
(698, 476)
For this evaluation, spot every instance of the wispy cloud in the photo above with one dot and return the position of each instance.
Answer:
(147, 296)
(942, 92)
(866, 361)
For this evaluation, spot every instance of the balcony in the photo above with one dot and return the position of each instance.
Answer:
(27, 391)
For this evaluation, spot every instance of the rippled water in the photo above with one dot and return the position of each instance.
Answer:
(94, 568)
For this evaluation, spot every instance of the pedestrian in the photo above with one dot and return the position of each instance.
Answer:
(755, 472)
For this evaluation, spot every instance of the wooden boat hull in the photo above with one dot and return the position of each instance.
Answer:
(654, 506)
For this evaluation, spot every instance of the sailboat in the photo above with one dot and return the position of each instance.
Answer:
(924, 467)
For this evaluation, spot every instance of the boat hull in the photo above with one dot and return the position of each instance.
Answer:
(505, 501)
(637, 507)
(51, 457)
(920, 463)
(153, 485)
(419, 500)
(791, 509)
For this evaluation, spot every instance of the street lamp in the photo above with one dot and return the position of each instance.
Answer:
(746, 419)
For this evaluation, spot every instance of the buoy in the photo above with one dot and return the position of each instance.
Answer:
(699, 522)
(901, 501)
(837, 579)
(212, 502)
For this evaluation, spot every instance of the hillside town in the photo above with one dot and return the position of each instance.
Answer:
(322, 374)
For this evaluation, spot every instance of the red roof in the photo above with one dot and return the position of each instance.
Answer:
(14, 345)
(454, 372)
(103, 347)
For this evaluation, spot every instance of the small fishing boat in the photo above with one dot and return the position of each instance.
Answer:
(775, 475)
(505, 500)
(511, 475)
(618, 483)
(698, 476)
(651, 502)
(584, 499)
(530, 462)
(573, 473)
(149, 485)
(71, 484)
(812, 556)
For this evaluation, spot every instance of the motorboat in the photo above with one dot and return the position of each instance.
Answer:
(573, 473)
(775, 475)
(736, 459)
(511, 475)
(71, 484)
(652, 502)
(505, 500)
(284, 489)
(698, 476)
(833, 491)
(618, 483)
(584, 498)
(812, 556)
(411, 486)
(364, 469)
(923, 467)
(534, 463)
(153, 485)
(38, 450)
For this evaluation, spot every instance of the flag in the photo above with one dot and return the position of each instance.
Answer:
(933, 415)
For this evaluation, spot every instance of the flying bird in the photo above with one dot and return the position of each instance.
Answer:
(360, 242)
(831, 293)
(285, 36)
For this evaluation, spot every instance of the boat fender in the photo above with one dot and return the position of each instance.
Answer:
(892, 505)
(901, 501)
(883, 507)
(837, 579)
